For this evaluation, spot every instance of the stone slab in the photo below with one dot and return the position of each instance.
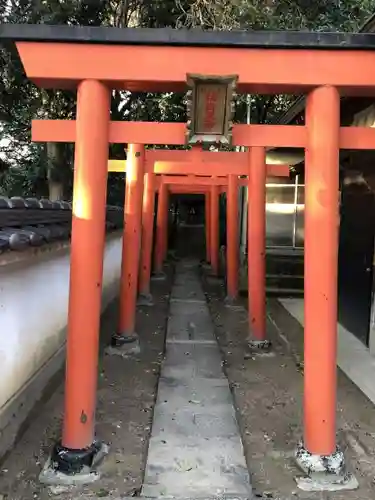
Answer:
(188, 371)
(189, 308)
(189, 321)
(204, 394)
(195, 450)
(185, 277)
(197, 467)
(195, 419)
(188, 290)
(201, 355)
(187, 329)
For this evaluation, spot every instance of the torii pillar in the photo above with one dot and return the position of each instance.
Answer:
(256, 248)
(214, 229)
(145, 297)
(318, 453)
(208, 222)
(125, 340)
(161, 231)
(78, 448)
(232, 239)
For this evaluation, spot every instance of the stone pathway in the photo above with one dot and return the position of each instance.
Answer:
(195, 450)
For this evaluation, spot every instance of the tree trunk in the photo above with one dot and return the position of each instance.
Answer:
(55, 168)
(56, 190)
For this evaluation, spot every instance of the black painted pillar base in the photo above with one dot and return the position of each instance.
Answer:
(71, 467)
(205, 265)
(145, 299)
(259, 348)
(158, 276)
(124, 345)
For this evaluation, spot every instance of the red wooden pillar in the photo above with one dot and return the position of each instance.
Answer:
(214, 229)
(86, 269)
(256, 235)
(165, 225)
(131, 248)
(321, 254)
(232, 238)
(147, 239)
(207, 217)
(161, 229)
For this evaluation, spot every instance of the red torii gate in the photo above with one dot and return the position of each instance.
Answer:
(256, 184)
(263, 63)
(220, 163)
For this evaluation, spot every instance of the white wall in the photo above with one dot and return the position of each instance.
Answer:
(33, 313)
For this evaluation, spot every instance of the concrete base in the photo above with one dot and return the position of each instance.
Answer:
(172, 255)
(129, 346)
(323, 473)
(213, 279)
(158, 276)
(51, 476)
(233, 303)
(145, 299)
(259, 346)
(206, 265)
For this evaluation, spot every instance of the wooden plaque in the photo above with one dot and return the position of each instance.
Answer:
(210, 109)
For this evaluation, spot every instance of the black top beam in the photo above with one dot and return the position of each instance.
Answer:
(192, 38)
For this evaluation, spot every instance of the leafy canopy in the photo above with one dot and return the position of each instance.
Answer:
(27, 169)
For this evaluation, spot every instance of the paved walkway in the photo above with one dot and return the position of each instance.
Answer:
(353, 357)
(195, 449)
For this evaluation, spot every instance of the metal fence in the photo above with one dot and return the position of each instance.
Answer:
(285, 205)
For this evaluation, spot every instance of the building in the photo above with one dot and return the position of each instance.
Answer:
(285, 238)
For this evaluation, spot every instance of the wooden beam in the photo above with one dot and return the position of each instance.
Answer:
(357, 138)
(199, 169)
(193, 187)
(193, 181)
(170, 133)
(184, 155)
(164, 68)
(275, 136)
(197, 189)
(186, 168)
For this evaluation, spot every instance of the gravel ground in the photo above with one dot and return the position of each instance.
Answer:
(267, 392)
(268, 397)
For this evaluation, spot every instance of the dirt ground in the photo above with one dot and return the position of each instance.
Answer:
(268, 398)
(126, 396)
(267, 393)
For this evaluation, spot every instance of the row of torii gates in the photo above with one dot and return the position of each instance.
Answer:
(96, 60)
(141, 176)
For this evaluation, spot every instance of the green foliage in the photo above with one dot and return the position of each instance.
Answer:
(27, 180)
(21, 101)
(25, 169)
(317, 15)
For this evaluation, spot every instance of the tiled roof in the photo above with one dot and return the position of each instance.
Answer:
(266, 39)
(29, 222)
